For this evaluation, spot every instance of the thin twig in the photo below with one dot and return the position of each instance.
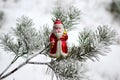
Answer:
(38, 63)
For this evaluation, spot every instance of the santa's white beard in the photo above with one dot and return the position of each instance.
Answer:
(58, 35)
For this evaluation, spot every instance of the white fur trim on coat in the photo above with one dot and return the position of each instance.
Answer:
(59, 51)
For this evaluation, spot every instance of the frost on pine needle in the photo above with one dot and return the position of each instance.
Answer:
(68, 69)
(70, 16)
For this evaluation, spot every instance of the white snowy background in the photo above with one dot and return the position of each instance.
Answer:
(93, 14)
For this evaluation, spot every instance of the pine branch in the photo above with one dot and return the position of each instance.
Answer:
(69, 17)
(24, 32)
(92, 44)
(7, 43)
(67, 69)
(105, 34)
(27, 40)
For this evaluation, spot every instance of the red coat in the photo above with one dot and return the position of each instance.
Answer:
(54, 40)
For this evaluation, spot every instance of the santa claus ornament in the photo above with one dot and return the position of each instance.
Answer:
(58, 38)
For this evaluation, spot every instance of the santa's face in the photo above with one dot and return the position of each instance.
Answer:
(58, 30)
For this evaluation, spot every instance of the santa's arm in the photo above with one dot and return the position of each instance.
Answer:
(52, 40)
(64, 36)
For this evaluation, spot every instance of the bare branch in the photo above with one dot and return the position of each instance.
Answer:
(39, 63)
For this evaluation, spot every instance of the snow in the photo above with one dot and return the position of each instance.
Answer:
(93, 14)
(108, 67)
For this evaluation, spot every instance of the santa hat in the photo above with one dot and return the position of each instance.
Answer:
(58, 21)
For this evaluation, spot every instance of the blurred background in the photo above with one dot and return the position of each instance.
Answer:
(93, 14)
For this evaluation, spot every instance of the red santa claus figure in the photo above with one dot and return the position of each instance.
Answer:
(58, 40)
